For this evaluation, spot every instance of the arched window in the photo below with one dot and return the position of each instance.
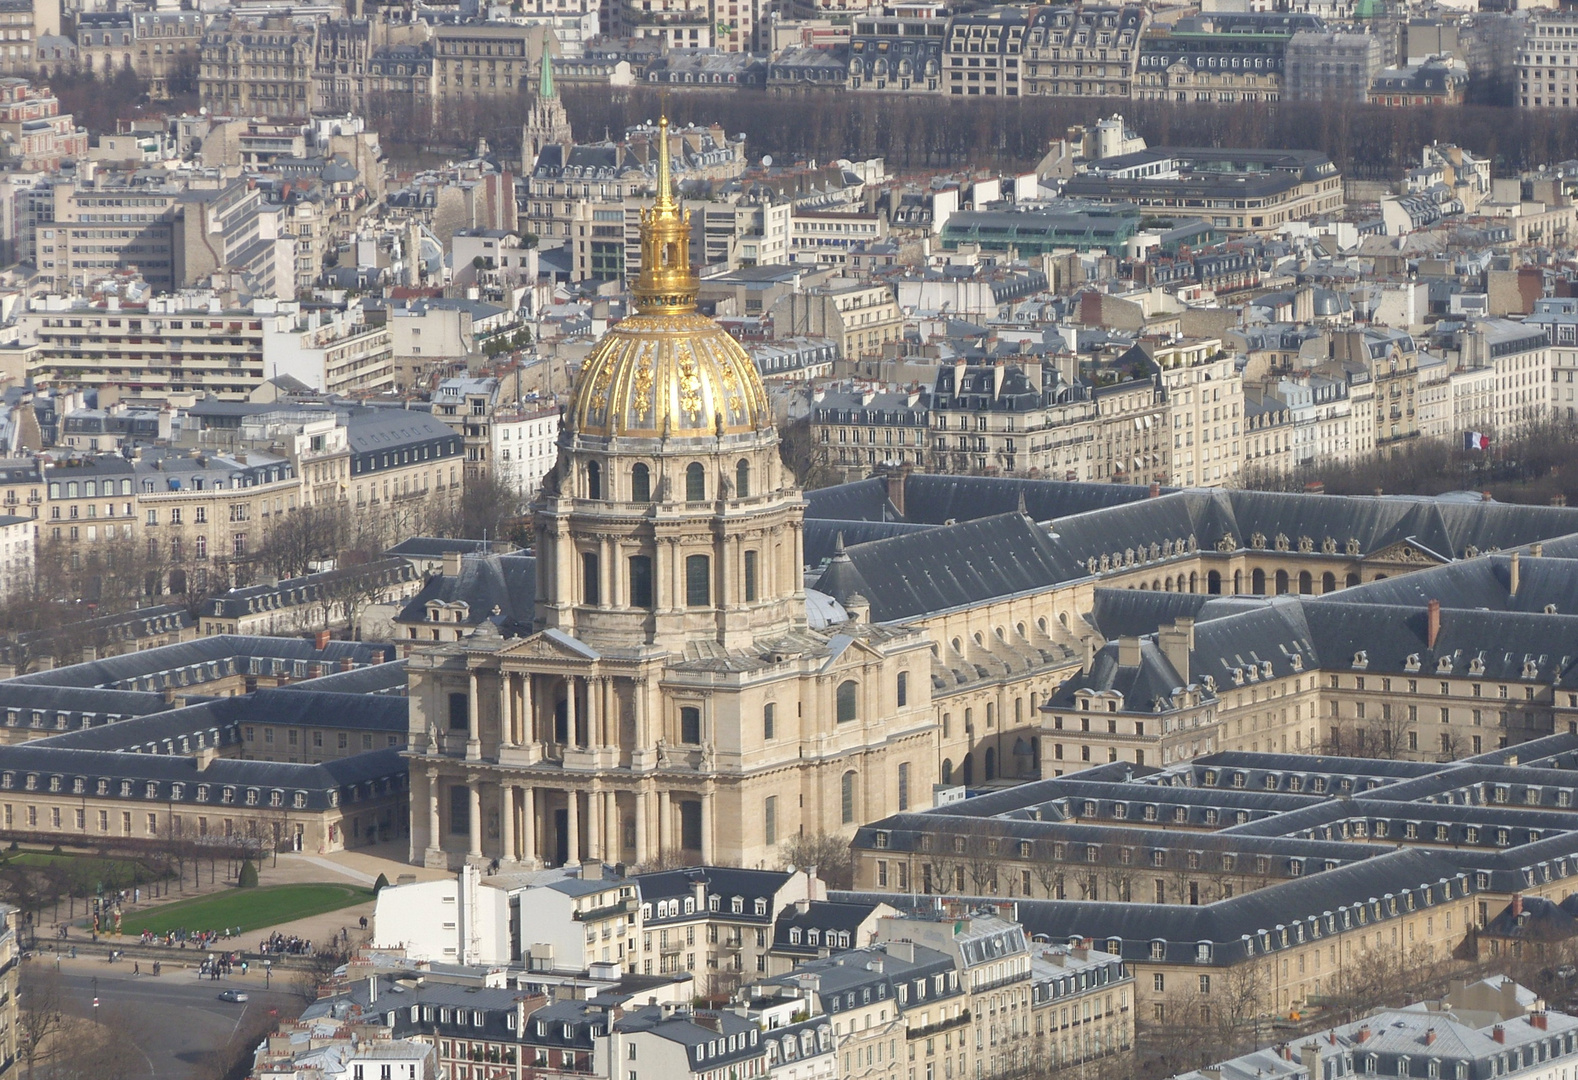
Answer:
(698, 580)
(1328, 582)
(991, 763)
(846, 797)
(847, 700)
(594, 480)
(695, 482)
(1257, 582)
(1282, 582)
(1213, 583)
(904, 689)
(1350, 581)
(947, 770)
(589, 576)
(641, 581)
(742, 479)
(640, 483)
(1306, 582)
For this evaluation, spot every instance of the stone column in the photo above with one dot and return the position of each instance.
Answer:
(528, 711)
(594, 712)
(665, 825)
(434, 836)
(642, 854)
(473, 722)
(506, 717)
(613, 841)
(572, 825)
(706, 828)
(569, 711)
(616, 574)
(507, 821)
(605, 573)
(529, 824)
(639, 698)
(594, 823)
(475, 787)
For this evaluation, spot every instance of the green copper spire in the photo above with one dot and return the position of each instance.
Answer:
(545, 86)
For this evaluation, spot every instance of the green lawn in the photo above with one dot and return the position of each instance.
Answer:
(86, 869)
(250, 909)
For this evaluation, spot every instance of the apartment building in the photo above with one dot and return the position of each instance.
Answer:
(468, 406)
(476, 63)
(38, 135)
(189, 343)
(259, 66)
(525, 444)
(984, 51)
(204, 515)
(1544, 62)
(16, 553)
(894, 53)
(1391, 358)
(93, 232)
(1331, 65)
(22, 24)
(1206, 394)
(1238, 191)
(1558, 317)
(1084, 52)
(860, 316)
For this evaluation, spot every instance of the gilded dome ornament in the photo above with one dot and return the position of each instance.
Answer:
(668, 370)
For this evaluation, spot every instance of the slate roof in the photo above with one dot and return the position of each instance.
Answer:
(508, 582)
(956, 566)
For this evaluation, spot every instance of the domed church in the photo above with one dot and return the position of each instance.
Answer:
(677, 699)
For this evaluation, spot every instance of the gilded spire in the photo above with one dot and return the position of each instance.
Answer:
(666, 284)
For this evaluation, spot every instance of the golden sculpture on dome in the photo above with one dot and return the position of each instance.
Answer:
(668, 370)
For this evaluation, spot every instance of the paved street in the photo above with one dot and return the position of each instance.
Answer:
(173, 1020)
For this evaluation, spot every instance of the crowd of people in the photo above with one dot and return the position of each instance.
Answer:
(183, 938)
(285, 945)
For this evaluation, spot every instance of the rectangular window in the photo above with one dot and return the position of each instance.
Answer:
(641, 581)
(690, 725)
(589, 572)
(698, 581)
(750, 577)
(458, 710)
(904, 785)
(459, 809)
(769, 721)
(770, 820)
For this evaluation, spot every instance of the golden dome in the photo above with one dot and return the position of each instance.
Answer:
(667, 369)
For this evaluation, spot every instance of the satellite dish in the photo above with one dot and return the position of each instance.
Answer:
(767, 161)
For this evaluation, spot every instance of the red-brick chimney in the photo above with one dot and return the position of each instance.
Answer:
(322, 640)
(1517, 905)
(1499, 1034)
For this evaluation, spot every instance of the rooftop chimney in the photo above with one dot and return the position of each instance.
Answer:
(451, 564)
(1537, 549)
(1517, 905)
(1499, 1034)
(1128, 652)
(1433, 624)
(1156, 489)
(1177, 642)
(321, 641)
(1430, 1036)
(1512, 584)
(1364, 1033)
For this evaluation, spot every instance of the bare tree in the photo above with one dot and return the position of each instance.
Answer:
(40, 1015)
(827, 852)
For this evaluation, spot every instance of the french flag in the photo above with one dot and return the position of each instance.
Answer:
(1473, 440)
